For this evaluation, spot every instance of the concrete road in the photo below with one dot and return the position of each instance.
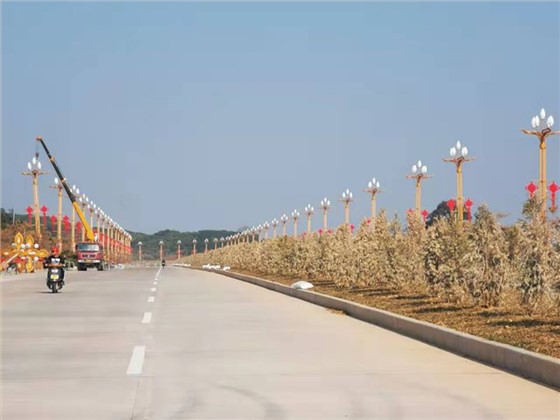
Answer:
(182, 344)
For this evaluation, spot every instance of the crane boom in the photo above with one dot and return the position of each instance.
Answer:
(89, 232)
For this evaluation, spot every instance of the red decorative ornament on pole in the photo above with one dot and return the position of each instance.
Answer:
(553, 188)
(424, 215)
(468, 205)
(44, 210)
(29, 211)
(451, 205)
(532, 188)
(78, 227)
(53, 221)
(66, 221)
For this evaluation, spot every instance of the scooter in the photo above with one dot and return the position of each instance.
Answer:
(163, 263)
(54, 281)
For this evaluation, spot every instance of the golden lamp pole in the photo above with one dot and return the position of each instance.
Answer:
(419, 172)
(542, 135)
(325, 205)
(373, 189)
(76, 192)
(274, 224)
(215, 240)
(178, 249)
(161, 250)
(206, 245)
(222, 240)
(140, 250)
(58, 186)
(194, 246)
(295, 217)
(346, 199)
(309, 213)
(284, 220)
(458, 158)
(266, 226)
(34, 170)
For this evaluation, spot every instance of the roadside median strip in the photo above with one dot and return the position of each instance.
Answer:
(530, 365)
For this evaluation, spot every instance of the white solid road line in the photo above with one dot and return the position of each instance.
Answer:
(136, 361)
(151, 299)
(153, 289)
(155, 282)
(147, 318)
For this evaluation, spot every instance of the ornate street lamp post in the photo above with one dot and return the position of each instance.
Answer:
(325, 205)
(295, 217)
(542, 134)
(206, 245)
(284, 220)
(458, 157)
(215, 240)
(58, 186)
(309, 213)
(346, 199)
(373, 189)
(140, 250)
(161, 250)
(194, 246)
(274, 224)
(178, 249)
(419, 172)
(34, 170)
(265, 227)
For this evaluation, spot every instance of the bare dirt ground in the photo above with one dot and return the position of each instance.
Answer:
(509, 324)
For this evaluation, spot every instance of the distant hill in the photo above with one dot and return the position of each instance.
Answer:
(150, 242)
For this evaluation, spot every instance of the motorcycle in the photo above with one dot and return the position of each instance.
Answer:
(54, 280)
(163, 263)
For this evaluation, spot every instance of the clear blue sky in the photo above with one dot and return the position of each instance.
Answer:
(193, 116)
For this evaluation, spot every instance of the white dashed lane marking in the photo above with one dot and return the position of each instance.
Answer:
(147, 318)
(151, 299)
(136, 360)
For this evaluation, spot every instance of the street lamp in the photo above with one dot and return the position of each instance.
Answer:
(309, 212)
(542, 135)
(222, 239)
(34, 170)
(215, 243)
(58, 186)
(206, 245)
(459, 155)
(140, 251)
(419, 172)
(295, 217)
(325, 205)
(274, 224)
(178, 249)
(346, 198)
(373, 189)
(161, 250)
(265, 227)
(284, 220)
(194, 246)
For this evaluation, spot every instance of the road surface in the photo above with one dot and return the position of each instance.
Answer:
(176, 343)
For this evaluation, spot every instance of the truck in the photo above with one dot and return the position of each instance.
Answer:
(90, 253)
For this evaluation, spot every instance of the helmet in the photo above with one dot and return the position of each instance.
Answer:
(54, 250)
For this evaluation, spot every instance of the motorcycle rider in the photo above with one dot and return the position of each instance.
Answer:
(163, 263)
(55, 260)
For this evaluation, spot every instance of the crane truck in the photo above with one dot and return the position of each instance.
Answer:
(90, 253)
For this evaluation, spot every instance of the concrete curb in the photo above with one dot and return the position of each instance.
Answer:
(530, 365)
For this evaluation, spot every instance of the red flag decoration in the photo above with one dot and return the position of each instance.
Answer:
(44, 210)
(65, 219)
(531, 188)
(29, 211)
(424, 214)
(468, 205)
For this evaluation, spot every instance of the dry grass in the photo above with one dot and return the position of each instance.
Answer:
(509, 324)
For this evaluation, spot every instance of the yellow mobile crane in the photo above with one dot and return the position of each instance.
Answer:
(90, 254)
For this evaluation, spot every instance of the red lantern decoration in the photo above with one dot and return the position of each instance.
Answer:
(29, 211)
(468, 205)
(44, 210)
(66, 221)
(532, 188)
(79, 227)
(424, 215)
(451, 204)
(53, 221)
(553, 188)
